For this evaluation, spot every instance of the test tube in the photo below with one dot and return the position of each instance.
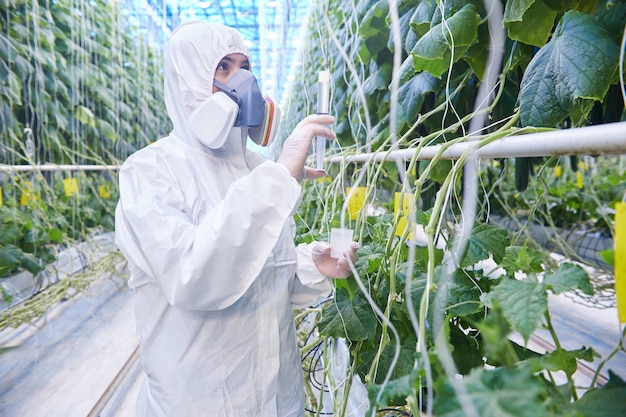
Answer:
(323, 92)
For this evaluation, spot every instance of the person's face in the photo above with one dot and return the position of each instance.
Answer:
(228, 66)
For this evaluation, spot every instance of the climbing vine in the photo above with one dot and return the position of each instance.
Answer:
(418, 314)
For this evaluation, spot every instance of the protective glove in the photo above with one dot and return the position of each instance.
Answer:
(332, 267)
(297, 146)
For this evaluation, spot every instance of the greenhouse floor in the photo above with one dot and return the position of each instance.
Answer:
(82, 360)
(67, 365)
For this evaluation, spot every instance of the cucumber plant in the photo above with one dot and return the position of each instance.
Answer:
(417, 314)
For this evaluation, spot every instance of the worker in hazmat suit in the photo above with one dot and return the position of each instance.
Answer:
(208, 232)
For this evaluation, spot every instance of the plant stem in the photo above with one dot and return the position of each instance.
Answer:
(559, 349)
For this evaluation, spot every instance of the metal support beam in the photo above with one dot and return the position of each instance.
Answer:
(607, 139)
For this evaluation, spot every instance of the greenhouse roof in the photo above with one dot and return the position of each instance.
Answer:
(270, 28)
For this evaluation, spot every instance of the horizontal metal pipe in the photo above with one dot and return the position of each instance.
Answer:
(55, 167)
(607, 139)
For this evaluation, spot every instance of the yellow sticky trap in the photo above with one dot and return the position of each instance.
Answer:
(71, 186)
(103, 191)
(0, 196)
(405, 211)
(356, 200)
(558, 171)
(28, 194)
(620, 260)
(579, 179)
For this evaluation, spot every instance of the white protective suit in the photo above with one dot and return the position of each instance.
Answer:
(208, 235)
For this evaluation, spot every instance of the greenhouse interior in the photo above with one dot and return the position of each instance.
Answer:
(477, 158)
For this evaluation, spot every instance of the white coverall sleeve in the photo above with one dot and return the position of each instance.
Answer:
(210, 265)
(310, 284)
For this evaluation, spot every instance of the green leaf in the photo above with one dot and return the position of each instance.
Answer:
(411, 96)
(404, 364)
(85, 116)
(350, 319)
(7, 49)
(501, 392)
(371, 257)
(395, 392)
(7, 297)
(434, 53)
(484, 240)
(612, 18)
(374, 30)
(31, 263)
(608, 256)
(107, 130)
(10, 257)
(463, 295)
(420, 21)
(607, 401)
(478, 54)
(9, 233)
(529, 21)
(523, 303)
(14, 90)
(378, 80)
(579, 62)
(467, 353)
(349, 284)
(562, 360)
(521, 258)
(561, 5)
(567, 277)
(56, 235)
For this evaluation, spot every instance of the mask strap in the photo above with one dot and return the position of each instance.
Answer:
(230, 92)
(224, 87)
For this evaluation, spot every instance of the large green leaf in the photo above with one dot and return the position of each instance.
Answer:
(522, 258)
(463, 295)
(484, 240)
(395, 392)
(10, 257)
(378, 80)
(568, 277)
(446, 43)
(562, 360)
(374, 30)
(85, 116)
(579, 62)
(13, 88)
(612, 18)
(107, 130)
(7, 50)
(350, 319)
(420, 20)
(500, 392)
(523, 303)
(9, 233)
(529, 21)
(403, 366)
(607, 401)
(411, 96)
(31, 263)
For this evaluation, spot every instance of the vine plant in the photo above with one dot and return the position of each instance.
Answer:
(79, 85)
(417, 315)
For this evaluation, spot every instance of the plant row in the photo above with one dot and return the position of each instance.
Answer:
(419, 313)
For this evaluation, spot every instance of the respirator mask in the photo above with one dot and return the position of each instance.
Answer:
(260, 115)
(238, 104)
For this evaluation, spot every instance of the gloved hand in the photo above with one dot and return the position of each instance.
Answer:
(296, 147)
(332, 267)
